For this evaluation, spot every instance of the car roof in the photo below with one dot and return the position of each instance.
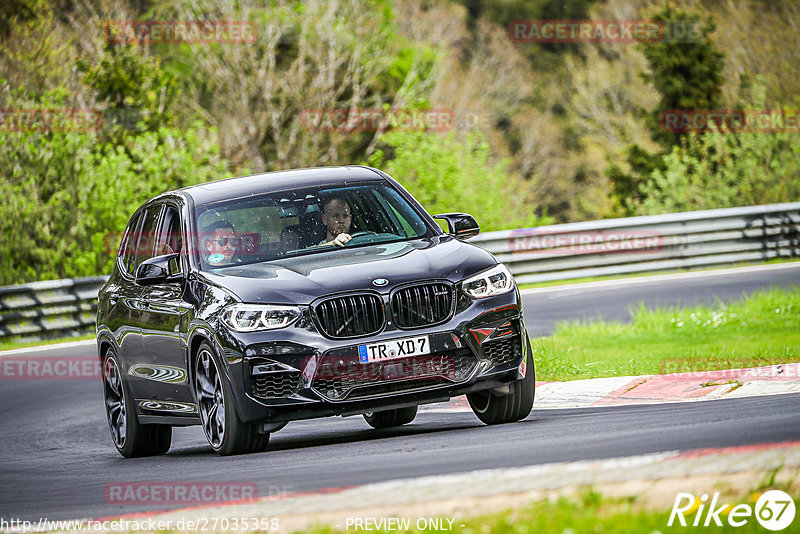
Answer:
(211, 192)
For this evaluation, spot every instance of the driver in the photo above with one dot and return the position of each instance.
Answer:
(221, 243)
(336, 217)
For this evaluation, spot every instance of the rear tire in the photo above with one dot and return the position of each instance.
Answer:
(390, 418)
(494, 409)
(131, 438)
(225, 432)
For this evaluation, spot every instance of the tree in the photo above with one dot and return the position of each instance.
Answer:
(446, 174)
(307, 57)
(687, 72)
(137, 93)
(68, 195)
(723, 169)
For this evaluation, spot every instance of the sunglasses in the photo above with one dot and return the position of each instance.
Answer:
(234, 241)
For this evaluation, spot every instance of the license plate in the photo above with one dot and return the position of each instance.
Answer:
(393, 349)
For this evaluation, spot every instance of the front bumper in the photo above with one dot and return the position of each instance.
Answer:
(297, 373)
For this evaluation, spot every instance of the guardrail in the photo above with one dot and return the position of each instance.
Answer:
(60, 308)
(55, 308)
(648, 243)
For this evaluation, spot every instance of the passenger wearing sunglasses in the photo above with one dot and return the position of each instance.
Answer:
(221, 242)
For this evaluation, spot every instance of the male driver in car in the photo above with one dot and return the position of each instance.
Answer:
(221, 243)
(336, 217)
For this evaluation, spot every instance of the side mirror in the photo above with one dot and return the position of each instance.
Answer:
(159, 270)
(462, 226)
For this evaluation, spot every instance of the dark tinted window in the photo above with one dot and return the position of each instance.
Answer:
(168, 238)
(127, 249)
(146, 243)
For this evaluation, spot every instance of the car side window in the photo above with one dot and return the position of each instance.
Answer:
(127, 249)
(145, 248)
(168, 238)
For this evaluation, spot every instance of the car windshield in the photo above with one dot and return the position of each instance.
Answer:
(305, 221)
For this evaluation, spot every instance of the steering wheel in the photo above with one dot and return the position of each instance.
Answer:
(363, 232)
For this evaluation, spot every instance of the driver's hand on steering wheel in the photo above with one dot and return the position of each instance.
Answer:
(341, 239)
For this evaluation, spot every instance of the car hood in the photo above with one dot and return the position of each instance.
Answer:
(302, 279)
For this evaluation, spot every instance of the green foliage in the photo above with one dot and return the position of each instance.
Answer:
(558, 117)
(31, 53)
(12, 12)
(68, 196)
(445, 174)
(70, 191)
(687, 72)
(502, 12)
(724, 169)
(628, 187)
(688, 75)
(137, 92)
(758, 330)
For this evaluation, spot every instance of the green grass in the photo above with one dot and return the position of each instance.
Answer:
(588, 513)
(764, 329)
(585, 279)
(8, 345)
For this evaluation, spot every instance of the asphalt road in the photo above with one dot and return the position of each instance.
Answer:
(56, 456)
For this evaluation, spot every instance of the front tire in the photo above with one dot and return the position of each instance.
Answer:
(225, 432)
(131, 438)
(390, 418)
(494, 409)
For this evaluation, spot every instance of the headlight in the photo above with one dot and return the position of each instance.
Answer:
(494, 281)
(252, 317)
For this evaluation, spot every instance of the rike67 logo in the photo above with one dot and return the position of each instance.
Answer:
(774, 510)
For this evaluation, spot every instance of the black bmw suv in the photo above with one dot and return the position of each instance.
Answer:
(246, 303)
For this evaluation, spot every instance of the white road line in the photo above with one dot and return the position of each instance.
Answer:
(609, 284)
(39, 348)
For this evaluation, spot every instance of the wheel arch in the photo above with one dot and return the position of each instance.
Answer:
(104, 344)
(196, 338)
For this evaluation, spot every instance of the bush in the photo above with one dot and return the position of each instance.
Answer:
(68, 198)
(723, 169)
(445, 174)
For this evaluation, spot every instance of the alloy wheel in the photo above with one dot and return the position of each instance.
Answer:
(115, 402)
(210, 398)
